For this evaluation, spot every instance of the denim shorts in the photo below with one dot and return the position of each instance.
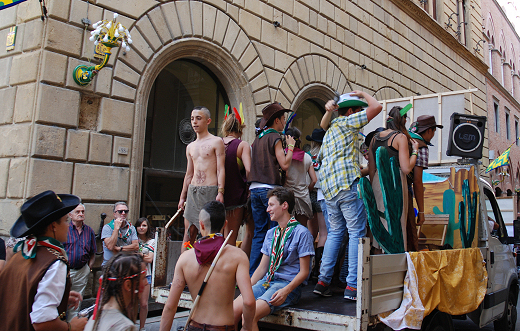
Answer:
(149, 279)
(261, 293)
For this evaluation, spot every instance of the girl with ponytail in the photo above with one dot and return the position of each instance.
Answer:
(124, 278)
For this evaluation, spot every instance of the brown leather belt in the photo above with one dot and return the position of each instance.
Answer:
(208, 327)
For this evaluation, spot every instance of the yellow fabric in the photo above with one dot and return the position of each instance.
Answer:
(453, 281)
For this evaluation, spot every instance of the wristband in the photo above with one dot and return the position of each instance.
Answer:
(421, 212)
(290, 145)
(414, 153)
(221, 190)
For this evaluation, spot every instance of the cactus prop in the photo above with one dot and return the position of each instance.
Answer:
(391, 240)
(448, 205)
(470, 204)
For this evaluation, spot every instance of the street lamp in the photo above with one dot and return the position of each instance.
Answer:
(110, 34)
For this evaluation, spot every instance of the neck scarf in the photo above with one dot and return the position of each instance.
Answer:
(277, 246)
(29, 244)
(144, 245)
(271, 130)
(297, 154)
(127, 234)
(207, 247)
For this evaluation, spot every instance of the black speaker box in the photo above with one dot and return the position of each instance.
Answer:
(466, 137)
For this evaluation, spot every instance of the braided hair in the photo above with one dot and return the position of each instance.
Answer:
(121, 267)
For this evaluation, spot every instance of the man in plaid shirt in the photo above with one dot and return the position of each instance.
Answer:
(340, 173)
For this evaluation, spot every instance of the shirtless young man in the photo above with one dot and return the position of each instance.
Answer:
(205, 176)
(215, 307)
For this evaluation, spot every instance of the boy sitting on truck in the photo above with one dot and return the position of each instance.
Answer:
(285, 264)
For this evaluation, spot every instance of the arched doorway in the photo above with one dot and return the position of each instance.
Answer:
(308, 118)
(180, 86)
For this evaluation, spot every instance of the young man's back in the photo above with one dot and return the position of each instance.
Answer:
(216, 304)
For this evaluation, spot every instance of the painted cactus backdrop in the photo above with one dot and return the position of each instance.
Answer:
(457, 196)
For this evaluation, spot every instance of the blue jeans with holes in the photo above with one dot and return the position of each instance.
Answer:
(345, 212)
(262, 224)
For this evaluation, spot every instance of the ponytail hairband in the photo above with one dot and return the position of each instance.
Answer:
(127, 277)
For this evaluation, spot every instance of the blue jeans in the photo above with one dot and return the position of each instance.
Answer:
(346, 212)
(262, 224)
(261, 293)
(323, 205)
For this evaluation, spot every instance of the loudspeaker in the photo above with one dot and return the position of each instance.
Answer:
(466, 137)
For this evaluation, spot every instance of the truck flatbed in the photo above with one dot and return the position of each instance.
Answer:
(312, 312)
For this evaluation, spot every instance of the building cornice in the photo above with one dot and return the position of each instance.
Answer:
(511, 26)
(423, 18)
(503, 91)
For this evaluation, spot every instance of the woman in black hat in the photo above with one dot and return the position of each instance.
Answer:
(35, 289)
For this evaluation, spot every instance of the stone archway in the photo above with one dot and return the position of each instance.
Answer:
(314, 71)
(166, 33)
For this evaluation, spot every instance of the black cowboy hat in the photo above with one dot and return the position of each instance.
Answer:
(41, 210)
(316, 135)
(270, 111)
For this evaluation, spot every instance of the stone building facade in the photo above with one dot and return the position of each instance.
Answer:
(119, 138)
(502, 44)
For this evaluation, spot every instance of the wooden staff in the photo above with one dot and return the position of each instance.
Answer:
(196, 301)
(173, 218)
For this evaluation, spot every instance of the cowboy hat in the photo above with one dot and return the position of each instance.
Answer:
(42, 210)
(316, 135)
(273, 110)
(423, 123)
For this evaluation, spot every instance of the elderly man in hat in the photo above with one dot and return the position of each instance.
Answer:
(205, 173)
(267, 157)
(35, 289)
(339, 177)
(423, 131)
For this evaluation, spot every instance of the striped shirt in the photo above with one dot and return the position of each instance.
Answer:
(339, 154)
(80, 246)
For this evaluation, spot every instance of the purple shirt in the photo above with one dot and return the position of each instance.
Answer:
(80, 247)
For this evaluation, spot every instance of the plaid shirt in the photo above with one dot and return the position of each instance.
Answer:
(423, 155)
(339, 154)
